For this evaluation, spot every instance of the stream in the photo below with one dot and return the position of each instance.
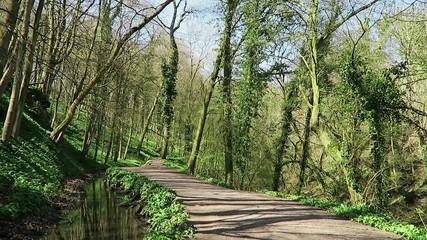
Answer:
(98, 216)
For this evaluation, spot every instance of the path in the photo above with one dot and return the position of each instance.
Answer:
(220, 213)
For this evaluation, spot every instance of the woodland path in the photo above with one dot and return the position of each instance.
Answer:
(221, 213)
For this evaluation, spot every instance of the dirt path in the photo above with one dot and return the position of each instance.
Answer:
(220, 213)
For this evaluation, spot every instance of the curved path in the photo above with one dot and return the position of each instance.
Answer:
(220, 213)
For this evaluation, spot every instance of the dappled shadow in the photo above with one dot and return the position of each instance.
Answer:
(221, 213)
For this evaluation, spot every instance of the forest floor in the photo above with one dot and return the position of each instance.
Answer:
(221, 213)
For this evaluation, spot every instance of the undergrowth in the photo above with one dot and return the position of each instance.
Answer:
(167, 216)
(360, 213)
(180, 165)
(33, 170)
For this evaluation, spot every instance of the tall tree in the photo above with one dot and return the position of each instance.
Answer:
(58, 131)
(169, 72)
(231, 8)
(220, 58)
(8, 21)
(318, 41)
(16, 89)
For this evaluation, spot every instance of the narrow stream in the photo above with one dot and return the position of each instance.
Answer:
(98, 216)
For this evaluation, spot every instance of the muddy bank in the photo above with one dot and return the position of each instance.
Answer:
(34, 225)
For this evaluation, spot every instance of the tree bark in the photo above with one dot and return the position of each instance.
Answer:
(146, 125)
(7, 28)
(125, 154)
(14, 98)
(28, 68)
(203, 116)
(288, 107)
(226, 84)
(164, 152)
(305, 150)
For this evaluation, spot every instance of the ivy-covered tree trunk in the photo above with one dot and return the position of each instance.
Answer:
(226, 91)
(286, 121)
(305, 151)
(377, 153)
(169, 71)
(226, 36)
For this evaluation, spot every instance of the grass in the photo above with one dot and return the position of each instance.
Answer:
(33, 169)
(180, 165)
(167, 216)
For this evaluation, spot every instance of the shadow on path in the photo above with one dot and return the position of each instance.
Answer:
(221, 213)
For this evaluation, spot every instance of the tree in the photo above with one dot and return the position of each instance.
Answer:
(169, 72)
(318, 44)
(231, 7)
(220, 58)
(58, 131)
(16, 89)
(8, 21)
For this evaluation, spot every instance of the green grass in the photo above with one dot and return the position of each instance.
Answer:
(33, 169)
(180, 165)
(167, 216)
(360, 213)
(176, 163)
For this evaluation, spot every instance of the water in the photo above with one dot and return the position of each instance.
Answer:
(97, 217)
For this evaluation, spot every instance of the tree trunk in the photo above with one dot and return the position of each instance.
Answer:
(228, 68)
(14, 98)
(203, 115)
(314, 60)
(7, 75)
(146, 125)
(377, 152)
(165, 143)
(125, 154)
(287, 109)
(7, 29)
(28, 68)
(305, 151)
(88, 136)
(99, 136)
(118, 145)
(109, 148)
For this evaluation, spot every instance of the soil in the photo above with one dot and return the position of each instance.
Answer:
(220, 213)
(34, 225)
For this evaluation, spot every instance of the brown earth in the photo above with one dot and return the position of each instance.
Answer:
(34, 225)
(220, 213)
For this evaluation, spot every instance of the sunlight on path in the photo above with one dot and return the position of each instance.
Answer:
(220, 213)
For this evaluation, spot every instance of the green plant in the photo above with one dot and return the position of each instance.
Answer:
(167, 216)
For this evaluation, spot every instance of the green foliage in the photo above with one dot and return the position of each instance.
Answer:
(169, 72)
(167, 216)
(360, 213)
(33, 169)
(179, 165)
